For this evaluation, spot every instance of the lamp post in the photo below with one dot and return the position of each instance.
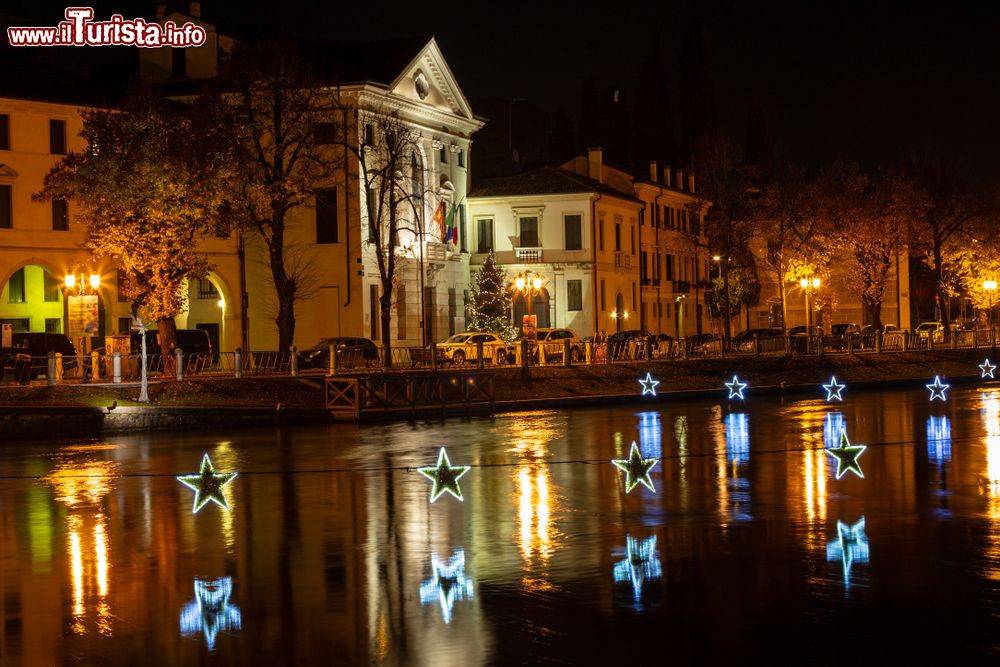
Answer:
(77, 290)
(990, 286)
(528, 284)
(808, 285)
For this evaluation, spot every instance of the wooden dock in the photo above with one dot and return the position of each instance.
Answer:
(409, 395)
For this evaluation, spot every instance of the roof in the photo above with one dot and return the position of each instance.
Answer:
(545, 181)
(28, 76)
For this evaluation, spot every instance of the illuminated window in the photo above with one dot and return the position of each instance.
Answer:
(528, 237)
(484, 235)
(15, 287)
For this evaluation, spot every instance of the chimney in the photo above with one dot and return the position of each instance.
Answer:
(691, 183)
(680, 179)
(666, 176)
(594, 160)
(194, 10)
(652, 170)
(161, 11)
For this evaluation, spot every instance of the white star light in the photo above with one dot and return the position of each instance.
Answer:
(987, 368)
(736, 388)
(938, 389)
(447, 585)
(649, 385)
(833, 389)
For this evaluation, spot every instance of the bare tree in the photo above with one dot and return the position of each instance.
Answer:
(284, 125)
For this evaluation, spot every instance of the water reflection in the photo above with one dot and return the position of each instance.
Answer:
(939, 440)
(651, 435)
(211, 612)
(990, 414)
(82, 487)
(640, 565)
(447, 585)
(832, 427)
(850, 547)
(732, 456)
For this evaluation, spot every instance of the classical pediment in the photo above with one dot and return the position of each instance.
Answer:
(427, 79)
(6, 172)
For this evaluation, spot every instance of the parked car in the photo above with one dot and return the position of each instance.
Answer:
(37, 345)
(797, 338)
(663, 345)
(195, 344)
(630, 344)
(552, 341)
(892, 336)
(465, 346)
(743, 341)
(351, 351)
(704, 345)
(927, 329)
(842, 334)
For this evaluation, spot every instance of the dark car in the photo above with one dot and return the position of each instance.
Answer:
(194, 343)
(631, 344)
(797, 338)
(351, 351)
(743, 341)
(37, 345)
(841, 336)
(704, 345)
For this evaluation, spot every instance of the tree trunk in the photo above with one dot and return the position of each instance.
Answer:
(781, 297)
(874, 310)
(284, 292)
(385, 315)
(940, 281)
(167, 329)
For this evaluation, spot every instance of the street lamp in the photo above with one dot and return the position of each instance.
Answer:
(990, 286)
(725, 289)
(528, 285)
(808, 286)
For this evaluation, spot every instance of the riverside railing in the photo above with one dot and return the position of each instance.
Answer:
(122, 368)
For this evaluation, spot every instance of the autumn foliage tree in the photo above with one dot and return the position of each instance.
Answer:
(149, 185)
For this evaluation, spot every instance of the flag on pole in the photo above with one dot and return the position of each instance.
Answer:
(439, 219)
(451, 230)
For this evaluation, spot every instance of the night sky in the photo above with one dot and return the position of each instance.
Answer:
(865, 81)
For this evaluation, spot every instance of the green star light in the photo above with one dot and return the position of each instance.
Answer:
(208, 485)
(636, 469)
(445, 476)
(847, 456)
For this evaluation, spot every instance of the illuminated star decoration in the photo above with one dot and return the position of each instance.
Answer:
(736, 388)
(649, 385)
(987, 368)
(208, 485)
(833, 389)
(445, 476)
(847, 456)
(636, 469)
(210, 611)
(641, 564)
(851, 546)
(938, 389)
(447, 584)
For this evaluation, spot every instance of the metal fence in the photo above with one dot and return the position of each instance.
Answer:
(98, 368)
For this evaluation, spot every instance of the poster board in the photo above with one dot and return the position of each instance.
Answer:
(529, 328)
(83, 316)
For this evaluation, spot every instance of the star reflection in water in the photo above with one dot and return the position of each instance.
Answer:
(447, 584)
(850, 547)
(210, 612)
(939, 440)
(640, 565)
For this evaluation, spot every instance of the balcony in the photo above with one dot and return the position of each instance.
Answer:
(622, 260)
(527, 255)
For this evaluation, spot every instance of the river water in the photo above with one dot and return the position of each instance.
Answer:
(331, 552)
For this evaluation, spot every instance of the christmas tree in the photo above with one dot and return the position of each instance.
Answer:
(490, 302)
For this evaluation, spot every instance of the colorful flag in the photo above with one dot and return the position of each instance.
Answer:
(439, 219)
(451, 230)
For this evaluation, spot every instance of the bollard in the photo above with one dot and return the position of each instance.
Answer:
(330, 368)
(567, 353)
(434, 356)
(179, 353)
(756, 345)
(95, 368)
(50, 373)
(294, 361)
(588, 351)
(479, 354)
(906, 341)
(540, 349)
(878, 341)
(59, 367)
(238, 362)
(930, 340)
(116, 367)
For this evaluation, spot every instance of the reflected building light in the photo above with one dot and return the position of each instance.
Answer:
(990, 413)
(641, 564)
(211, 612)
(76, 571)
(814, 474)
(850, 547)
(833, 424)
(447, 585)
(651, 434)
(939, 440)
(738, 438)
(681, 434)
